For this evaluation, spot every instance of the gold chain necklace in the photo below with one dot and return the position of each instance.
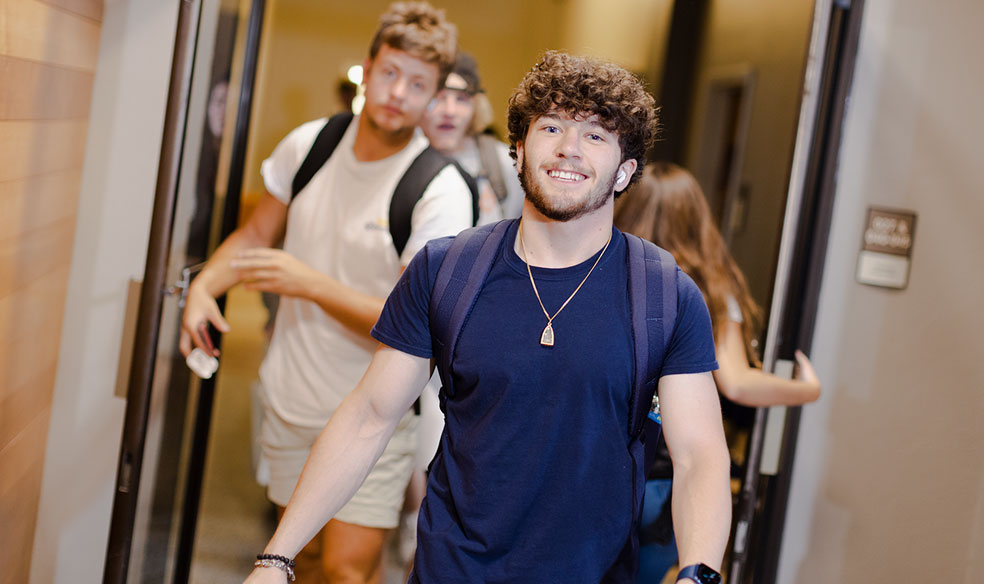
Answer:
(547, 337)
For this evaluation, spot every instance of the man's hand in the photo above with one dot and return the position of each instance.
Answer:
(275, 271)
(200, 309)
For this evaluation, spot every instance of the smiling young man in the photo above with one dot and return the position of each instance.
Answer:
(339, 262)
(537, 477)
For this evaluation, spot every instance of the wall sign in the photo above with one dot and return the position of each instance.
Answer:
(886, 248)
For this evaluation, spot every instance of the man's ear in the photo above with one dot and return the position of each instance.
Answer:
(628, 168)
(519, 157)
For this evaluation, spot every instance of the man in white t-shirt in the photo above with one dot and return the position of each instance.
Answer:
(455, 124)
(338, 264)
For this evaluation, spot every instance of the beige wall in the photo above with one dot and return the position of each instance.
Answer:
(630, 32)
(769, 39)
(889, 483)
(48, 54)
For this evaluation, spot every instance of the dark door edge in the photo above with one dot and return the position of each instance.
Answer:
(152, 296)
(800, 313)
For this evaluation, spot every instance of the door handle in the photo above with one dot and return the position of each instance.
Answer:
(181, 286)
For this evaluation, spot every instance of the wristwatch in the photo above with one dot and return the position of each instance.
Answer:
(700, 573)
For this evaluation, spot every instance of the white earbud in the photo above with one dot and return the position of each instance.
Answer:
(621, 175)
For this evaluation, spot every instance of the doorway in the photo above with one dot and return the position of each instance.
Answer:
(168, 411)
(739, 138)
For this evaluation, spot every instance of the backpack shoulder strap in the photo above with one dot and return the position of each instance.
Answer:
(459, 280)
(411, 188)
(490, 164)
(328, 138)
(653, 307)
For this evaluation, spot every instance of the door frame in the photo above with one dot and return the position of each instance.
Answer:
(806, 228)
(155, 289)
(805, 271)
(191, 503)
(141, 375)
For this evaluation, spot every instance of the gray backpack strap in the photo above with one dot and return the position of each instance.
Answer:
(653, 308)
(652, 305)
(459, 280)
(490, 164)
(646, 308)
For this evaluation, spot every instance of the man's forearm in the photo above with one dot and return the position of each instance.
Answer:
(702, 511)
(350, 444)
(353, 309)
(265, 226)
(218, 276)
(281, 272)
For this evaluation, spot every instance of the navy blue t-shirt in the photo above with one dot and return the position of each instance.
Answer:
(532, 481)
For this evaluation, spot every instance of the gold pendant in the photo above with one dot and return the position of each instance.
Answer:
(547, 338)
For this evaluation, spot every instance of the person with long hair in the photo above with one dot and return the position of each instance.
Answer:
(668, 207)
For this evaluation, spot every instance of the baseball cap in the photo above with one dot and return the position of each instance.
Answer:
(464, 75)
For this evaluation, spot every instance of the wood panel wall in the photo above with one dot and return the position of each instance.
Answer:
(48, 53)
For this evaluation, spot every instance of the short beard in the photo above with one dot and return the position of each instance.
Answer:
(534, 194)
(400, 133)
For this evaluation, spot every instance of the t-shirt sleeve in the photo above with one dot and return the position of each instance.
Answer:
(734, 310)
(279, 168)
(444, 209)
(691, 347)
(404, 323)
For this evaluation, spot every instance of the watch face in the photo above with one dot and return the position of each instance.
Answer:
(706, 575)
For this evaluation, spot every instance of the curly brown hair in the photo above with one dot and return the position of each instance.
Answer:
(584, 87)
(419, 29)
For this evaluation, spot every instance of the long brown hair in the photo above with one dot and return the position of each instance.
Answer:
(668, 207)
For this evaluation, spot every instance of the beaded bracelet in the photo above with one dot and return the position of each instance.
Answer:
(274, 561)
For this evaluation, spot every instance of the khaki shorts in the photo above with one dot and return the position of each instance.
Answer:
(378, 501)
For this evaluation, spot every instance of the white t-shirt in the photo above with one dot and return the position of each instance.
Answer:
(510, 208)
(339, 225)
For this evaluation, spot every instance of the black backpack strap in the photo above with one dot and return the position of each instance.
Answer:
(408, 191)
(459, 280)
(411, 188)
(490, 164)
(653, 307)
(328, 138)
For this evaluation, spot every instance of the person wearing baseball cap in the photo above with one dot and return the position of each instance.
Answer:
(457, 123)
